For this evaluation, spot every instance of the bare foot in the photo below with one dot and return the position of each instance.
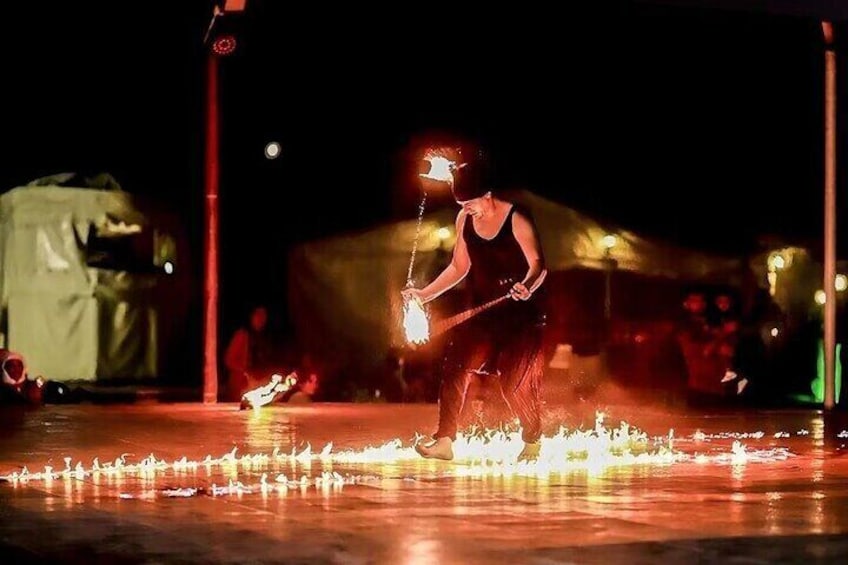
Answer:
(442, 448)
(530, 452)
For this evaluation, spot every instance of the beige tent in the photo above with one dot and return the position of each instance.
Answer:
(344, 291)
(71, 313)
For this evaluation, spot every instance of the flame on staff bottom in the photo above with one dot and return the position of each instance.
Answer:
(416, 325)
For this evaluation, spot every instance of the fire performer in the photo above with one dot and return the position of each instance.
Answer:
(248, 355)
(499, 251)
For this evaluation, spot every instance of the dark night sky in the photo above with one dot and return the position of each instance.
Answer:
(682, 122)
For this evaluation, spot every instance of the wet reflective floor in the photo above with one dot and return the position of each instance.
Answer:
(339, 483)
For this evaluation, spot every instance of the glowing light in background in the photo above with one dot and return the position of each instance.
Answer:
(609, 241)
(224, 45)
(272, 150)
(776, 262)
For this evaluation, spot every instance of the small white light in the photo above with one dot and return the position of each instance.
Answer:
(272, 150)
(168, 267)
(776, 262)
(443, 233)
(609, 241)
(820, 297)
(774, 332)
(841, 282)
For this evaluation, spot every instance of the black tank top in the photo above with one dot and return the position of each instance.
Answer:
(497, 264)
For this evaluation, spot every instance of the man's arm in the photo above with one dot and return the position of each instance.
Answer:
(528, 239)
(455, 271)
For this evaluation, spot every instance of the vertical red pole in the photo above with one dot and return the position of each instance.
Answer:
(829, 219)
(210, 342)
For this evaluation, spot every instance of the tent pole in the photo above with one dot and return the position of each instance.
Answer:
(829, 218)
(210, 295)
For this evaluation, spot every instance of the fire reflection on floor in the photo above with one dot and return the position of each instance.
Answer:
(350, 473)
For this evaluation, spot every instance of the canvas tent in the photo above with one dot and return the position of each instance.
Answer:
(75, 298)
(344, 291)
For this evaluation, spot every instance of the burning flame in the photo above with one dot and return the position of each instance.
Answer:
(266, 393)
(441, 168)
(479, 453)
(415, 323)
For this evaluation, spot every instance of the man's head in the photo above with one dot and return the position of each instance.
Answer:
(473, 180)
(258, 318)
(477, 206)
(724, 303)
(310, 384)
(695, 302)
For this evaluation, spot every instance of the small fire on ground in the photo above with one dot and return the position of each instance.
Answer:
(478, 453)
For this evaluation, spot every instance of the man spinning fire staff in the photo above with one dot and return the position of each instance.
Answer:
(498, 251)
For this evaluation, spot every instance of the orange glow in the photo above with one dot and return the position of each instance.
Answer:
(234, 5)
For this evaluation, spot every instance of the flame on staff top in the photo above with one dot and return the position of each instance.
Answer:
(416, 326)
(441, 167)
(265, 394)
